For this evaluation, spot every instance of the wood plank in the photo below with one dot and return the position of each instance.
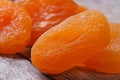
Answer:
(14, 67)
(84, 74)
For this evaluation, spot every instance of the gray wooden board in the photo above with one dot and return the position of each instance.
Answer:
(16, 67)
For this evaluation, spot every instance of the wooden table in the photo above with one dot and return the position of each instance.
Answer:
(17, 67)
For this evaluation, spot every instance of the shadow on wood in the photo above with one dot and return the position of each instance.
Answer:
(84, 74)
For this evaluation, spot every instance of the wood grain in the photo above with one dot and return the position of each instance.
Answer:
(15, 67)
(84, 74)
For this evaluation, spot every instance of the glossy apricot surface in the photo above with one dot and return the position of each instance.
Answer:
(48, 13)
(15, 27)
(71, 42)
(108, 60)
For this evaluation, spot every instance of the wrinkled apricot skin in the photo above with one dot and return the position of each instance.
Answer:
(71, 42)
(108, 60)
(15, 28)
(48, 13)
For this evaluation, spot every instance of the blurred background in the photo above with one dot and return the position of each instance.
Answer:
(111, 8)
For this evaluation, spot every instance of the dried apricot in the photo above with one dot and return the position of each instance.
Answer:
(47, 13)
(108, 60)
(15, 27)
(71, 42)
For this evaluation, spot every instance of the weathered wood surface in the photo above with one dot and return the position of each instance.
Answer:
(84, 74)
(17, 67)
(14, 67)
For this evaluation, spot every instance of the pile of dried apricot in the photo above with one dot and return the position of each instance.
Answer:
(62, 34)
(48, 13)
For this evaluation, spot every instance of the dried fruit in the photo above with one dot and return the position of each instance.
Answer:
(71, 42)
(15, 27)
(48, 13)
(108, 60)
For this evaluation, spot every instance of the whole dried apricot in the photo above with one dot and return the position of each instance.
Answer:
(15, 27)
(71, 42)
(108, 60)
(48, 13)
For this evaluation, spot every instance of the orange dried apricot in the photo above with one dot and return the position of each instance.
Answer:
(15, 27)
(71, 42)
(108, 60)
(47, 13)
